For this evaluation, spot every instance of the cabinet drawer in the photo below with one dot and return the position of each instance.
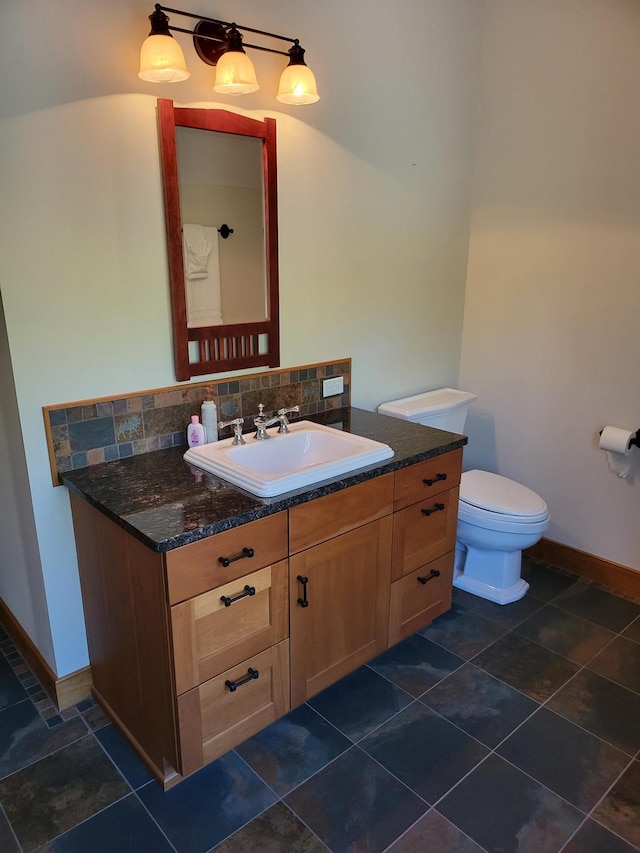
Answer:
(424, 531)
(209, 636)
(213, 718)
(332, 515)
(419, 597)
(421, 481)
(196, 568)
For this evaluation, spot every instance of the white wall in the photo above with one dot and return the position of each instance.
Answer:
(374, 186)
(20, 570)
(551, 339)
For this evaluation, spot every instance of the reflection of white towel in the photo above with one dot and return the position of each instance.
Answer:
(196, 251)
(202, 275)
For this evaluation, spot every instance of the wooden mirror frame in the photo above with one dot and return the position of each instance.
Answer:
(228, 346)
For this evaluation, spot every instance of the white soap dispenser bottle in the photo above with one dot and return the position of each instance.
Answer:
(209, 414)
(195, 432)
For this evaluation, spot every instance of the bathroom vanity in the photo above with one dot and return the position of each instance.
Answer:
(211, 613)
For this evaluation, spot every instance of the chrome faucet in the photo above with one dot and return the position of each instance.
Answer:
(261, 423)
(282, 417)
(237, 430)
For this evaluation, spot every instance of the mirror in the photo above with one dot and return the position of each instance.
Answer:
(219, 178)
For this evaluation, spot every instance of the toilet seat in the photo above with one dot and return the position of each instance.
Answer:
(495, 501)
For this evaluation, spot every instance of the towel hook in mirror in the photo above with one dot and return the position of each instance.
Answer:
(224, 231)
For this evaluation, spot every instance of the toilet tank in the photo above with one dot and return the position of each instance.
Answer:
(444, 408)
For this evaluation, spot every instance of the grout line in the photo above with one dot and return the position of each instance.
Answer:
(520, 724)
(397, 779)
(256, 816)
(15, 661)
(457, 828)
(86, 819)
(43, 757)
(8, 823)
(574, 833)
(155, 822)
(605, 795)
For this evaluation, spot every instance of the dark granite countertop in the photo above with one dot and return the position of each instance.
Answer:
(166, 503)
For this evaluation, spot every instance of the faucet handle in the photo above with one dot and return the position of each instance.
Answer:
(236, 422)
(237, 429)
(282, 417)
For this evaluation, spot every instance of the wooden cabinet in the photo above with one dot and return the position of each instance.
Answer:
(195, 650)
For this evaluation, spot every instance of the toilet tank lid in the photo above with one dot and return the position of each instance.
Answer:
(435, 402)
(499, 494)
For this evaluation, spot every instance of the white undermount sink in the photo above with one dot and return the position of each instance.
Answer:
(308, 454)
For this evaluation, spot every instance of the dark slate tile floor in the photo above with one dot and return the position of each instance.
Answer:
(501, 729)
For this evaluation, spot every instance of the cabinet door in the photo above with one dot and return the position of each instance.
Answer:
(418, 598)
(339, 615)
(423, 532)
(218, 629)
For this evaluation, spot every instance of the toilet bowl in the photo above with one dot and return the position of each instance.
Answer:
(497, 517)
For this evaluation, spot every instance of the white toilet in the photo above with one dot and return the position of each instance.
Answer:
(497, 517)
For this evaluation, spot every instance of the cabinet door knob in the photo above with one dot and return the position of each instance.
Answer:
(436, 479)
(233, 685)
(435, 508)
(226, 561)
(434, 573)
(304, 581)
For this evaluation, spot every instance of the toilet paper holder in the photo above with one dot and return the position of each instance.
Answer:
(633, 442)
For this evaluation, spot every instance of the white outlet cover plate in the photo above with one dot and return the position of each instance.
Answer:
(332, 386)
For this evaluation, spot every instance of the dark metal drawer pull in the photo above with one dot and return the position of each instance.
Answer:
(226, 561)
(436, 479)
(248, 590)
(434, 508)
(434, 573)
(304, 581)
(233, 685)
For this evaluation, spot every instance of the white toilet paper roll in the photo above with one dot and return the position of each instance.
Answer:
(616, 440)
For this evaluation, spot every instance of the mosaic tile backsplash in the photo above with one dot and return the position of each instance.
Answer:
(95, 431)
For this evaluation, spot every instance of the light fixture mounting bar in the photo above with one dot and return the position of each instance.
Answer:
(224, 24)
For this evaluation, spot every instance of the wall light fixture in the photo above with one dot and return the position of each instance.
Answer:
(220, 43)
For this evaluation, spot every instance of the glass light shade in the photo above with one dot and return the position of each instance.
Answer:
(235, 74)
(297, 86)
(162, 60)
